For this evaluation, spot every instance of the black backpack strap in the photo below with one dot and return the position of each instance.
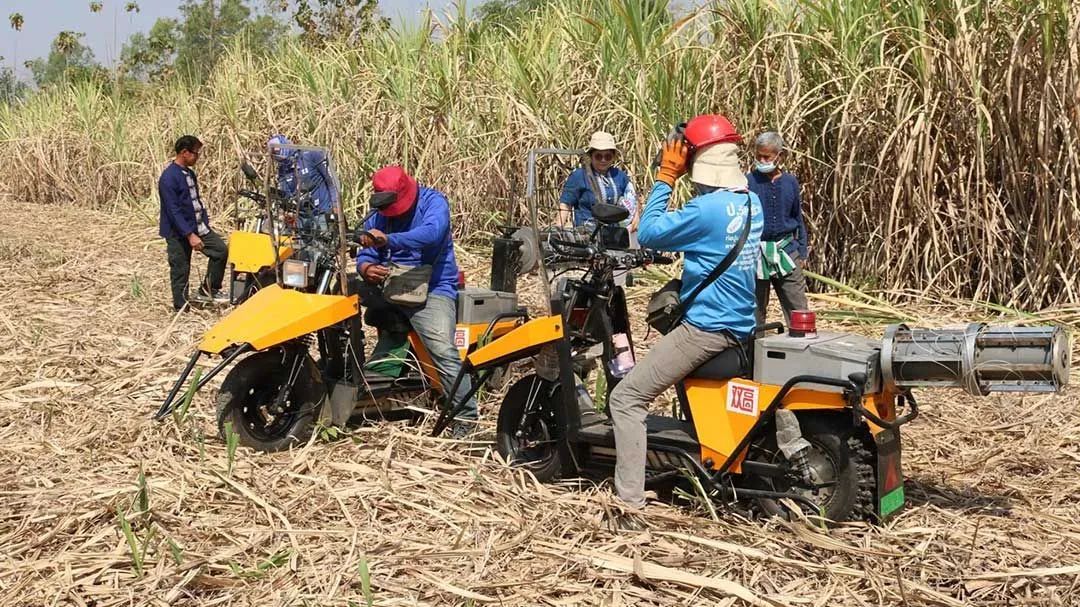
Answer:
(728, 259)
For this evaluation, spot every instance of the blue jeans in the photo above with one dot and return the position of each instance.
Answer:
(435, 324)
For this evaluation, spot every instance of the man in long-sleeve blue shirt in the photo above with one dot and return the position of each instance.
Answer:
(306, 171)
(784, 241)
(704, 230)
(414, 230)
(185, 226)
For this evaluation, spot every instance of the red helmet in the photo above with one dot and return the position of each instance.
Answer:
(709, 129)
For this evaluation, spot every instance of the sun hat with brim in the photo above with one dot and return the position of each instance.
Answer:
(718, 166)
(601, 141)
(394, 179)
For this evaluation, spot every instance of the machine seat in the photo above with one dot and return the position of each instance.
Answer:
(730, 363)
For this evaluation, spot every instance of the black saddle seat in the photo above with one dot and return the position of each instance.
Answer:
(733, 362)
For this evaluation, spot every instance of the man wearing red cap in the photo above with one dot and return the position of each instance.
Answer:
(412, 228)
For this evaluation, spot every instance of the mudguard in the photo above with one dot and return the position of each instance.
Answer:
(253, 251)
(275, 315)
(518, 343)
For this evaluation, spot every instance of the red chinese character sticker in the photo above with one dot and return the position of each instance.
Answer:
(742, 399)
(461, 338)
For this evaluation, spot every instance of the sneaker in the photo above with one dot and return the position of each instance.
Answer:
(218, 297)
(461, 429)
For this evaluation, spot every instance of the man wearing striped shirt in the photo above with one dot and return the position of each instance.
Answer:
(185, 226)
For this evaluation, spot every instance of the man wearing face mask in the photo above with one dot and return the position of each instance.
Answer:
(784, 241)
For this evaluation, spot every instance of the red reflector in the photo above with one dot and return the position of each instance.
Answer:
(460, 280)
(803, 324)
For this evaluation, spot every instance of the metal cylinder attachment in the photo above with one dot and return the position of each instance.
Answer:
(978, 358)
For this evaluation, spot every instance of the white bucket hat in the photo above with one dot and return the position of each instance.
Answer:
(601, 141)
(718, 166)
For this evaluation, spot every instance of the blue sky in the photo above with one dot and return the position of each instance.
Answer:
(106, 31)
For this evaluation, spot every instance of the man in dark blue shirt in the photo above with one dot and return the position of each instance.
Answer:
(185, 226)
(784, 240)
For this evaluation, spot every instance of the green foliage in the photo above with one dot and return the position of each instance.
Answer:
(17, 21)
(275, 560)
(150, 56)
(365, 581)
(69, 61)
(191, 45)
(11, 87)
(232, 441)
(347, 21)
(506, 12)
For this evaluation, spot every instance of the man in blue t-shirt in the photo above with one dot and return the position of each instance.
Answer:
(704, 230)
(305, 171)
(414, 230)
(185, 226)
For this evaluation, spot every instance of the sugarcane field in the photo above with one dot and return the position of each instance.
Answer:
(519, 302)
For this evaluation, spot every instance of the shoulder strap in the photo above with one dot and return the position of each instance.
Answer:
(590, 180)
(728, 259)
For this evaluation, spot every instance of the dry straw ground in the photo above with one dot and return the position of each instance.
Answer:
(388, 516)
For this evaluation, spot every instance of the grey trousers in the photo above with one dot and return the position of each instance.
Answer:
(673, 357)
(434, 324)
(791, 290)
(179, 252)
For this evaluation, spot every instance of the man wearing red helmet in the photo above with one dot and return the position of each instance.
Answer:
(705, 229)
(412, 228)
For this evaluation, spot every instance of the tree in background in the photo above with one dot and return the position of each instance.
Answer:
(11, 88)
(505, 12)
(191, 45)
(335, 20)
(150, 56)
(69, 60)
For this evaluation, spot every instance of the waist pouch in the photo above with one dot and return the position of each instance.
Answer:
(407, 285)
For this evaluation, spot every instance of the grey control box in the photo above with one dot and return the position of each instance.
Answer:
(480, 306)
(778, 358)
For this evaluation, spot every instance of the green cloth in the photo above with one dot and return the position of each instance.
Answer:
(774, 260)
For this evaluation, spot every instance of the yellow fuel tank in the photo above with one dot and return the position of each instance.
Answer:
(253, 251)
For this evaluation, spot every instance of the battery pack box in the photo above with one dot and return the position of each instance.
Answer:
(481, 306)
(778, 358)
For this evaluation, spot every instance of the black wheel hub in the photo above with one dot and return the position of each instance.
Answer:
(262, 416)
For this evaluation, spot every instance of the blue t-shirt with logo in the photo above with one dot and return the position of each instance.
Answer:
(704, 230)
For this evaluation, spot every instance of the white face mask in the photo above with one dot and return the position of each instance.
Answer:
(765, 167)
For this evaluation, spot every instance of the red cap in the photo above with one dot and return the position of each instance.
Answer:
(709, 129)
(394, 179)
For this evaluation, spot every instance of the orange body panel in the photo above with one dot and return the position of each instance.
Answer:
(725, 411)
(536, 332)
(471, 333)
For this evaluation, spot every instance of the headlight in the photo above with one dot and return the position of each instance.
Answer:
(295, 274)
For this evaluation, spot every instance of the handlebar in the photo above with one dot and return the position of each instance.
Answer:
(255, 196)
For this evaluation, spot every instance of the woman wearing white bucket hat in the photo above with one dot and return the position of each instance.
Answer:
(597, 180)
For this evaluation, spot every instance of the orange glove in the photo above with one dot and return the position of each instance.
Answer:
(674, 157)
